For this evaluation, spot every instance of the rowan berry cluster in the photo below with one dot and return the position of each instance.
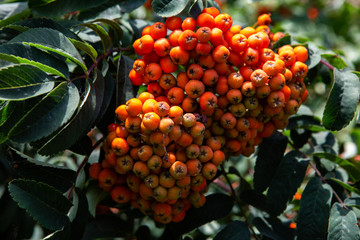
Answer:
(213, 90)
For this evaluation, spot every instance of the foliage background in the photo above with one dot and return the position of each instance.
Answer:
(37, 176)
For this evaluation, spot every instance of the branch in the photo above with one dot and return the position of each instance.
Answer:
(327, 64)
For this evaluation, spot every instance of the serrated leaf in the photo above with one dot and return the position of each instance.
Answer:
(55, 8)
(6, 109)
(59, 177)
(342, 101)
(314, 55)
(44, 203)
(286, 40)
(86, 48)
(233, 231)
(52, 41)
(352, 169)
(47, 115)
(270, 153)
(78, 126)
(314, 210)
(334, 60)
(102, 33)
(196, 217)
(287, 179)
(19, 82)
(19, 53)
(342, 224)
(46, 23)
(168, 8)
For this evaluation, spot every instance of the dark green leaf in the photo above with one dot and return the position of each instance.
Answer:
(102, 33)
(86, 48)
(52, 41)
(311, 123)
(143, 233)
(265, 228)
(325, 142)
(342, 224)
(287, 179)
(14, 18)
(342, 102)
(106, 226)
(168, 8)
(124, 88)
(16, 110)
(270, 153)
(113, 25)
(44, 203)
(47, 23)
(352, 202)
(47, 115)
(23, 81)
(334, 60)
(8, 211)
(109, 85)
(344, 185)
(81, 213)
(314, 55)
(78, 126)
(274, 229)
(314, 210)
(196, 8)
(286, 40)
(55, 8)
(300, 137)
(6, 109)
(197, 217)
(352, 169)
(19, 53)
(233, 231)
(59, 177)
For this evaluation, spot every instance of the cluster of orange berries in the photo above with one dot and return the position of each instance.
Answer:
(214, 90)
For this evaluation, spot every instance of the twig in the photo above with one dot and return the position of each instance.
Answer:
(327, 64)
(235, 196)
(82, 164)
(319, 174)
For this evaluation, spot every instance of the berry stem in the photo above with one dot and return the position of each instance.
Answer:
(327, 64)
(82, 164)
(313, 166)
(97, 60)
(237, 200)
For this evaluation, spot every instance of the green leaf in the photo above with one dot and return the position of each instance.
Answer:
(106, 226)
(9, 115)
(342, 102)
(19, 53)
(113, 25)
(286, 40)
(352, 202)
(287, 179)
(102, 33)
(52, 41)
(78, 126)
(300, 137)
(270, 153)
(233, 231)
(307, 122)
(86, 48)
(94, 195)
(197, 217)
(44, 203)
(47, 115)
(352, 169)
(344, 185)
(334, 60)
(19, 82)
(168, 8)
(55, 8)
(14, 18)
(314, 55)
(6, 109)
(342, 224)
(314, 210)
(196, 9)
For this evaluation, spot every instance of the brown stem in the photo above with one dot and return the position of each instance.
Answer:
(327, 64)
(82, 164)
